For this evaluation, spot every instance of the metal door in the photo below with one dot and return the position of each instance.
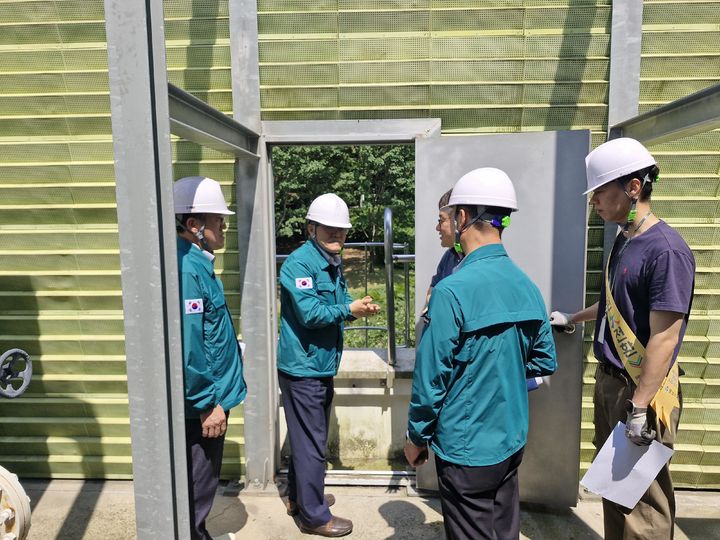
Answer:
(547, 239)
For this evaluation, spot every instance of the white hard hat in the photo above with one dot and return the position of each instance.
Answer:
(486, 186)
(615, 159)
(199, 195)
(329, 209)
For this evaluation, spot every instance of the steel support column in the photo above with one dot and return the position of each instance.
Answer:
(256, 246)
(624, 87)
(143, 170)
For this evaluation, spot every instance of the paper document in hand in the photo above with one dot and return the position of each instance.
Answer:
(623, 471)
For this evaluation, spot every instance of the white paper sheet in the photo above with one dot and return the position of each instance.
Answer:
(622, 471)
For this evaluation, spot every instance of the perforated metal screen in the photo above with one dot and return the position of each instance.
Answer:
(480, 66)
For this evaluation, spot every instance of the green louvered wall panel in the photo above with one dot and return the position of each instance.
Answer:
(483, 66)
(59, 254)
(480, 66)
(680, 56)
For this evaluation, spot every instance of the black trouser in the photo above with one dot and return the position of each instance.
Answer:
(204, 458)
(480, 502)
(307, 404)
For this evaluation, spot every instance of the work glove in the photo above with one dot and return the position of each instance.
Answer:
(562, 322)
(637, 428)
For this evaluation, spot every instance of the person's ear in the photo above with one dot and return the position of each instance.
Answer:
(634, 188)
(461, 218)
(193, 224)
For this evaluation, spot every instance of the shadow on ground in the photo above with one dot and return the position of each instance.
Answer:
(228, 516)
(540, 522)
(408, 521)
(699, 528)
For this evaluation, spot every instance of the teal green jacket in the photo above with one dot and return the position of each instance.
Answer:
(211, 354)
(314, 305)
(488, 332)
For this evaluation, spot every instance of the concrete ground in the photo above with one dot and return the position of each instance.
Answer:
(75, 510)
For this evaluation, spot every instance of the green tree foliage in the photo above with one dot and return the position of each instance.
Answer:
(368, 178)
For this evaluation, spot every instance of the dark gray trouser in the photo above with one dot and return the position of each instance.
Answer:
(654, 515)
(480, 502)
(204, 458)
(307, 402)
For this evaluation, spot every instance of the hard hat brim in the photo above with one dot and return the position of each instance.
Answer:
(335, 224)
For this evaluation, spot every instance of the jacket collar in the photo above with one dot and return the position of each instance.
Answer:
(485, 252)
(317, 254)
(201, 257)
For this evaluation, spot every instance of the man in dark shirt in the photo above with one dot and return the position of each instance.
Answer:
(647, 294)
(450, 259)
(453, 254)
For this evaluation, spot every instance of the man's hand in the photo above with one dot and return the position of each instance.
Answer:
(214, 423)
(363, 307)
(562, 321)
(415, 455)
(636, 426)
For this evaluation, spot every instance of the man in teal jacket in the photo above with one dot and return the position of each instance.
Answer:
(314, 306)
(488, 332)
(212, 359)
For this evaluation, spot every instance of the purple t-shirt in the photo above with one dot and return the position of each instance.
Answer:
(654, 272)
(445, 267)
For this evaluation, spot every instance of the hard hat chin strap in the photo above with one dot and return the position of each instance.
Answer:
(632, 214)
(200, 235)
(494, 219)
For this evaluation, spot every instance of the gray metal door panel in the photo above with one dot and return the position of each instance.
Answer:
(547, 239)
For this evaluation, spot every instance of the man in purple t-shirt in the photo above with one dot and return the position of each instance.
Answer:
(651, 277)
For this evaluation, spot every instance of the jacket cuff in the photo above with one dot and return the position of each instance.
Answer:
(415, 439)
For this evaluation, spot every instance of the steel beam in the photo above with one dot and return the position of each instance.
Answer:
(696, 113)
(143, 171)
(349, 131)
(194, 120)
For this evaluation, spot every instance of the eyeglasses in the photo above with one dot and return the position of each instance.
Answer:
(443, 220)
(220, 220)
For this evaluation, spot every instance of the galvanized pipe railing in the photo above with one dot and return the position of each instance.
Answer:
(389, 285)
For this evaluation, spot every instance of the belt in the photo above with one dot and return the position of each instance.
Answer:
(613, 371)
(618, 373)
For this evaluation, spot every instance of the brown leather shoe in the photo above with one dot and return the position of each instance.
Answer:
(292, 508)
(337, 526)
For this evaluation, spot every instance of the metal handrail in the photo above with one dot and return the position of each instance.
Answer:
(389, 285)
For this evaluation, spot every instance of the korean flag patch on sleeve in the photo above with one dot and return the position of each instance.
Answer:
(303, 283)
(193, 306)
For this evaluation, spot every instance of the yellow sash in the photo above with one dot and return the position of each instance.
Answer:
(632, 353)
